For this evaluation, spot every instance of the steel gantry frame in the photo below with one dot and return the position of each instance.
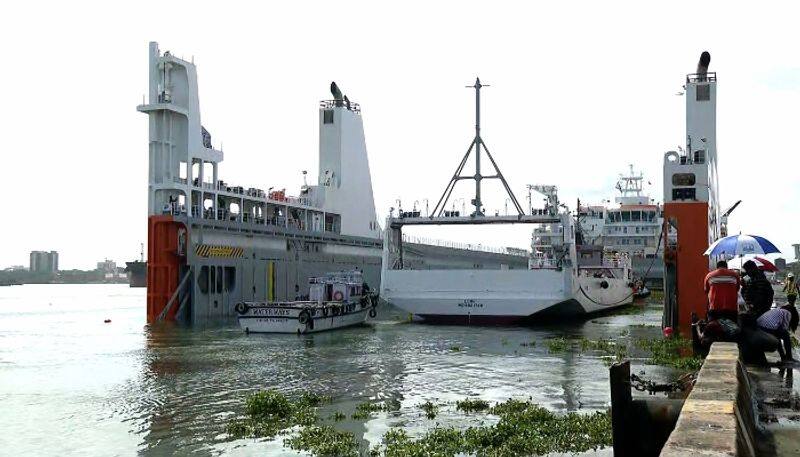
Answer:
(476, 145)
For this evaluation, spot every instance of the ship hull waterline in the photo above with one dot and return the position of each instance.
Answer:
(525, 305)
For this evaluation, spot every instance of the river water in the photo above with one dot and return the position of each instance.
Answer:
(71, 384)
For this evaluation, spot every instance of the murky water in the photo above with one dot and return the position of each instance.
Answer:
(71, 384)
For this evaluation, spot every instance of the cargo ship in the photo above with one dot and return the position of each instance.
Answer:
(137, 271)
(633, 228)
(212, 243)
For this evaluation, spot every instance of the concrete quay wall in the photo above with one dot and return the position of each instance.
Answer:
(717, 418)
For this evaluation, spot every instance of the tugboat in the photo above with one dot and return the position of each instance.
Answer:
(335, 300)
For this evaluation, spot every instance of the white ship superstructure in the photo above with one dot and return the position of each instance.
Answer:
(213, 243)
(633, 228)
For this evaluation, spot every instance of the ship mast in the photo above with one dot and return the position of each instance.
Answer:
(476, 144)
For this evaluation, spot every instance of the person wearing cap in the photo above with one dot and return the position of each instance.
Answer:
(757, 292)
(791, 288)
(722, 288)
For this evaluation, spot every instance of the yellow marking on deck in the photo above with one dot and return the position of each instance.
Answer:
(209, 250)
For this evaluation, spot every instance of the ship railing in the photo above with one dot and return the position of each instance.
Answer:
(543, 264)
(174, 209)
(328, 104)
(464, 246)
(710, 77)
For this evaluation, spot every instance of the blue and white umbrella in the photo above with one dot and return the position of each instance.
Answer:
(741, 245)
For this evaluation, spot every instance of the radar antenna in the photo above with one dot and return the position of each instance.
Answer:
(476, 144)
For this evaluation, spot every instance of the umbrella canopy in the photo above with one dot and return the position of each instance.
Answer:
(762, 263)
(741, 245)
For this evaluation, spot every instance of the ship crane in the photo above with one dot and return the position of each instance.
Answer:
(551, 194)
(723, 230)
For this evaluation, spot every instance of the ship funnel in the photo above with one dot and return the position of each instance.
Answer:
(702, 65)
(337, 94)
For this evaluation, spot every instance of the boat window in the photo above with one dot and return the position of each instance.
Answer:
(327, 116)
(219, 279)
(699, 156)
(683, 179)
(230, 278)
(626, 216)
(213, 279)
(636, 215)
(202, 279)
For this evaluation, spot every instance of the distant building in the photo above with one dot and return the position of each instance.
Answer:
(107, 267)
(44, 262)
(796, 251)
(780, 263)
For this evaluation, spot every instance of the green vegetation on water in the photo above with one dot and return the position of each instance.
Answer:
(674, 352)
(524, 428)
(472, 405)
(430, 409)
(269, 412)
(364, 410)
(324, 441)
(455, 348)
(556, 345)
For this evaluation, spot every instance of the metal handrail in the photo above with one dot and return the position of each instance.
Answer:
(327, 104)
(710, 76)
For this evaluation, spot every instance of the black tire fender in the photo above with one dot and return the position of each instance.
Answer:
(304, 317)
(372, 312)
(241, 308)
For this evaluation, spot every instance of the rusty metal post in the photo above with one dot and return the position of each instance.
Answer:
(620, 379)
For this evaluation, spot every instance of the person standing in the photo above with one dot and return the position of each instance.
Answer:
(791, 288)
(758, 292)
(722, 288)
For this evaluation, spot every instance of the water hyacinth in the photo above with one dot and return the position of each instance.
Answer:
(471, 405)
(270, 412)
(430, 409)
(524, 428)
(556, 345)
(324, 442)
(674, 352)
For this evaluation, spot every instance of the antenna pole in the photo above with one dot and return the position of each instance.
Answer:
(477, 142)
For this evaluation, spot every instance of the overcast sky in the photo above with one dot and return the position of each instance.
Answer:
(578, 91)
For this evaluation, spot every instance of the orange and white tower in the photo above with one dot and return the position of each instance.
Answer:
(691, 202)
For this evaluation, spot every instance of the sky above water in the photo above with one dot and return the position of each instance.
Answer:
(579, 90)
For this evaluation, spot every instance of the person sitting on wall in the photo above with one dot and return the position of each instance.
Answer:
(722, 287)
(757, 292)
(777, 322)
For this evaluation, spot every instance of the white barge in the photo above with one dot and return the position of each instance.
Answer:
(561, 278)
(335, 300)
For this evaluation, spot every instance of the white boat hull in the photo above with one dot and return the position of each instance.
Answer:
(500, 296)
(267, 319)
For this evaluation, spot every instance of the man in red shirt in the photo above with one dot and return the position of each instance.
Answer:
(722, 287)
